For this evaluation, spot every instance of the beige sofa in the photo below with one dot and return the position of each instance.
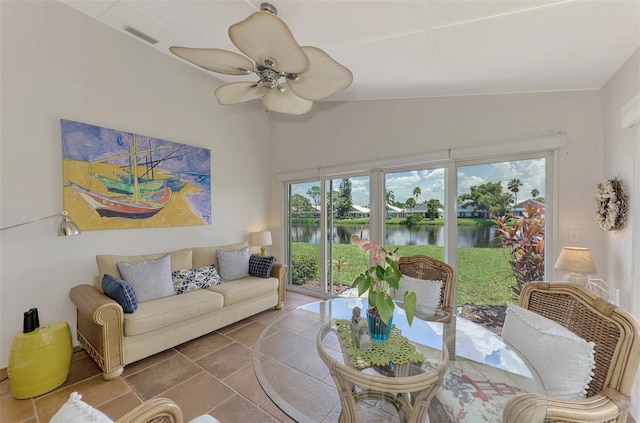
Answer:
(114, 338)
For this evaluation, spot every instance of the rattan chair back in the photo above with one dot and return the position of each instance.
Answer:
(428, 268)
(614, 331)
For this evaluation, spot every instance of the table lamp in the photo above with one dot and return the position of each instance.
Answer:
(261, 238)
(577, 261)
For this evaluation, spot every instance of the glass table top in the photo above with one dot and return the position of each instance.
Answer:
(292, 374)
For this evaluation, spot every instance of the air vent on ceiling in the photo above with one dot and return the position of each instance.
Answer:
(134, 31)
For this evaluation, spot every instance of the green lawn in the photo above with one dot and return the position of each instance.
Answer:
(483, 273)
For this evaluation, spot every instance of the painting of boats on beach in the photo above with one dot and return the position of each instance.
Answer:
(115, 179)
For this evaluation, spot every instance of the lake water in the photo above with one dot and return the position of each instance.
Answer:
(468, 236)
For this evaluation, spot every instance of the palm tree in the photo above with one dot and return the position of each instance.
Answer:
(390, 196)
(416, 192)
(535, 193)
(514, 186)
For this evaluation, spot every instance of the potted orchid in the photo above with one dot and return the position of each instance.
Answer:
(381, 280)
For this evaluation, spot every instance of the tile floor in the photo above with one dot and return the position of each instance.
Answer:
(212, 374)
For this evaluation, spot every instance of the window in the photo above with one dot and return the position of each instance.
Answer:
(438, 207)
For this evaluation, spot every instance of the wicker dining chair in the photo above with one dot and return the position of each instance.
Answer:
(616, 335)
(428, 268)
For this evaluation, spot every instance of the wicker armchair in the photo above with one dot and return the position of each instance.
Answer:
(428, 268)
(156, 410)
(617, 351)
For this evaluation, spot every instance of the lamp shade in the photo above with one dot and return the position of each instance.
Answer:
(576, 260)
(261, 238)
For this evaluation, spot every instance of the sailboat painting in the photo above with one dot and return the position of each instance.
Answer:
(116, 179)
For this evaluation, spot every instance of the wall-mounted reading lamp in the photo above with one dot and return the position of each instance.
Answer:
(66, 228)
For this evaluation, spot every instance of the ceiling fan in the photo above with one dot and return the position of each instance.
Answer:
(290, 77)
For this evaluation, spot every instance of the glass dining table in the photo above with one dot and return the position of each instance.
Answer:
(446, 367)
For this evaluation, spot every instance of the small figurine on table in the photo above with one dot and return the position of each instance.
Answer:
(360, 330)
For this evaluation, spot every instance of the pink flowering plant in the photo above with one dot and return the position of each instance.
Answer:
(381, 279)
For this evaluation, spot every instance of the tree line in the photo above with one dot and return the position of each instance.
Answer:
(488, 199)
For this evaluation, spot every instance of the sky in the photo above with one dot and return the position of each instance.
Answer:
(531, 173)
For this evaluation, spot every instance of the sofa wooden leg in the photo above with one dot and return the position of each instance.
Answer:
(113, 375)
(279, 306)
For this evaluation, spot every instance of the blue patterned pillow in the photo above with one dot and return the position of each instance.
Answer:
(260, 266)
(188, 280)
(121, 292)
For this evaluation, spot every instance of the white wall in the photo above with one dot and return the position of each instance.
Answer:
(58, 63)
(621, 149)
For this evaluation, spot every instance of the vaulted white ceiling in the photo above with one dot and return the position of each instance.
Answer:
(409, 49)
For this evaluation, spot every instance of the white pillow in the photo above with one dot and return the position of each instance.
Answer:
(150, 279)
(233, 264)
(77, 411)
(563, 360)
(427, 293)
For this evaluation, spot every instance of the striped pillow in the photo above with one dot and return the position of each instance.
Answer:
(260, 266)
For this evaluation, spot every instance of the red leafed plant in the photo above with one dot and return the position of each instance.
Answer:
(523, 244)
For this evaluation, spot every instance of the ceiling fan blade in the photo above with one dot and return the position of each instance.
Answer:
(265, 37)
(215, 59)
(324, 78)
(239, 92)
(285, 102)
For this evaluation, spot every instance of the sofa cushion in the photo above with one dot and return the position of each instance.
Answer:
(260, 266)
(150, 279)
(203, 256)
(108, 264)
(166, 311)
(188, 280)
(120, 291)
(563, 360)
(233, 264)
(241, 290)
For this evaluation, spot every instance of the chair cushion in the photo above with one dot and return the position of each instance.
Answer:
(233, 264)
(150, 279)
(188, 280)
(260, 266)
(472, 392)
(120, 291)
(427, 293)
(248, 288)
(77, 411)
(166, 311)
(563, 360)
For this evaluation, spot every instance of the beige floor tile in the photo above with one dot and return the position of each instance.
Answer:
(199, 395)
(203, 345)
(95, 391)
(154, 380)
(148, 362)
(246, 384)
(83, 368)
(11, 409)
(247, 335)
(239, 409)
(120, 406)
(227, 360)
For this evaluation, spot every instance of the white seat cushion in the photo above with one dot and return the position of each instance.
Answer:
(563, 360)
(166, 311)
(244, 289)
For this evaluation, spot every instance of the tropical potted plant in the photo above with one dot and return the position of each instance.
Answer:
(381, 280)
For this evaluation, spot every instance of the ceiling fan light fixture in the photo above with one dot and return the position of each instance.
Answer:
(290, 77)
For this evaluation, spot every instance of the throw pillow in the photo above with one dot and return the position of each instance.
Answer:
(563, 360)
(188, 280)
(260, 266)
(427, 293)
(121, 292)
(233, 264)
(150, 279)
(77, 411)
